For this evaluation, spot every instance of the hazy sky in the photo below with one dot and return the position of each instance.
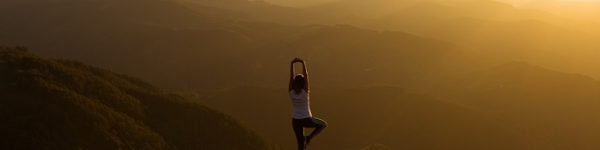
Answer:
(298, 2)
(522, 2)
(514, 2)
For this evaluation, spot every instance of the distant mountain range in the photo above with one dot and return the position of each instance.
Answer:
(173, 43)
(387, 74)
(510, 106)
(174, 46)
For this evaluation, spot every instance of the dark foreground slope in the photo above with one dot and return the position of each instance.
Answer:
(58, 104)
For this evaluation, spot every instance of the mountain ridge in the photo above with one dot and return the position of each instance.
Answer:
(61, 104)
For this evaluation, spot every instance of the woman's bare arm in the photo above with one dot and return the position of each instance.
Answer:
(305, 72)
(292, 72)
(291, 75)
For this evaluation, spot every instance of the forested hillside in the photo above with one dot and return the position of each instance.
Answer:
(62, 104)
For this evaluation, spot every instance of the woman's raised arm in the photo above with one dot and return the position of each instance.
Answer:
(291, 75)
(305, 72)
(292, 72)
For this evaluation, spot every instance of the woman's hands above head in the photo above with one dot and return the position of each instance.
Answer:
(297, 60)
(304, 72)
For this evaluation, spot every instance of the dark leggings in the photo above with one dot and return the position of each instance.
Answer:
(300, 124)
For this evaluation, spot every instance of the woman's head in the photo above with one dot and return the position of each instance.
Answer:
(299, 82)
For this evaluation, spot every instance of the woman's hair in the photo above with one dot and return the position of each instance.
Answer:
(299, 82)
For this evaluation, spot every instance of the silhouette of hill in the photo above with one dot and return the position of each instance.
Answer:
(61, 104)
(359, 117)
(254, 11)
(552, 38)
(134, 41)
(299, 4)
(174, 43)
(585, 10)
(511, 106)
(376, 147)
(234, 54)
(357, 9)
(176, 46)
(555, 107)
(422, 17)
(373, 56)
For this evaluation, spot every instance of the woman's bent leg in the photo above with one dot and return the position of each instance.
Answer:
(319, 125)
(299, 132)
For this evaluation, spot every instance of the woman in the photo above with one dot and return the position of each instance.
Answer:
(302, 118)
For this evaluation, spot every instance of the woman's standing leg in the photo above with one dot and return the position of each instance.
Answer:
(299, 132)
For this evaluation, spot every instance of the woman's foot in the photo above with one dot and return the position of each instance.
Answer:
(307, 140)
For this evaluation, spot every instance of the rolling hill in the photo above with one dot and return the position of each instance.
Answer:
(233, 55)
(555, 107)
(61, 104)
(510, 106)
(174, 43)
(207, 46)
(360, 117)
(506, 107)
(554, 39)
(154, 39)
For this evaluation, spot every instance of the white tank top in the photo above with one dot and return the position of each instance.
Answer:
(301, 104)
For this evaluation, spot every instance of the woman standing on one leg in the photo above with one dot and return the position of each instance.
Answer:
(302, 117)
